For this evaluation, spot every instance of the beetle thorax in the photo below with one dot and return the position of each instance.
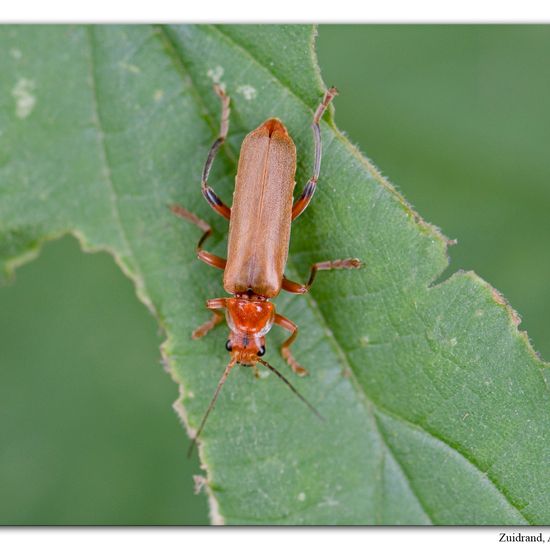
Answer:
(249, 316)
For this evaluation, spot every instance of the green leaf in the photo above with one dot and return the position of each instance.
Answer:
(436, 407)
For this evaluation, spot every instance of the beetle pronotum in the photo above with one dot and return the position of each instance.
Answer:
(259, 234)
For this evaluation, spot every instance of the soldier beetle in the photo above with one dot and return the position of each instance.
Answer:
(259, 233)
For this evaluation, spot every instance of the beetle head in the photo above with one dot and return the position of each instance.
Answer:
(249, 320)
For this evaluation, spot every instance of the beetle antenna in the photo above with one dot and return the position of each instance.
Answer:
(212, 403)
(294, 390)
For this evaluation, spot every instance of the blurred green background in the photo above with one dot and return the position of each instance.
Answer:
(458, 117)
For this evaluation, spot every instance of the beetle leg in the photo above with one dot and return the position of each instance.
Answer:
(301, 204)
(206, 327)
(206, 257)
(287, 324)
(213, 200)
(297, 288)
(216, 319)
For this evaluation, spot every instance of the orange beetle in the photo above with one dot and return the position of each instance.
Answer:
(259, 234)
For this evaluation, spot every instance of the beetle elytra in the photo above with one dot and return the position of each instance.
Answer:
(259, 233)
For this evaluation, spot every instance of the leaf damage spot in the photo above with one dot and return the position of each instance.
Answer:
(25, 101)
(301, 497)
(215, 74)
(158, 95)
(16, 53)
(130, 67)
(199, 483)
(263, 373)
(248, 91)
(329, 501)
(364, 341)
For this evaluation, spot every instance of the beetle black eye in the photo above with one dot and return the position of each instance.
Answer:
(261, 351)
(228, 345)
